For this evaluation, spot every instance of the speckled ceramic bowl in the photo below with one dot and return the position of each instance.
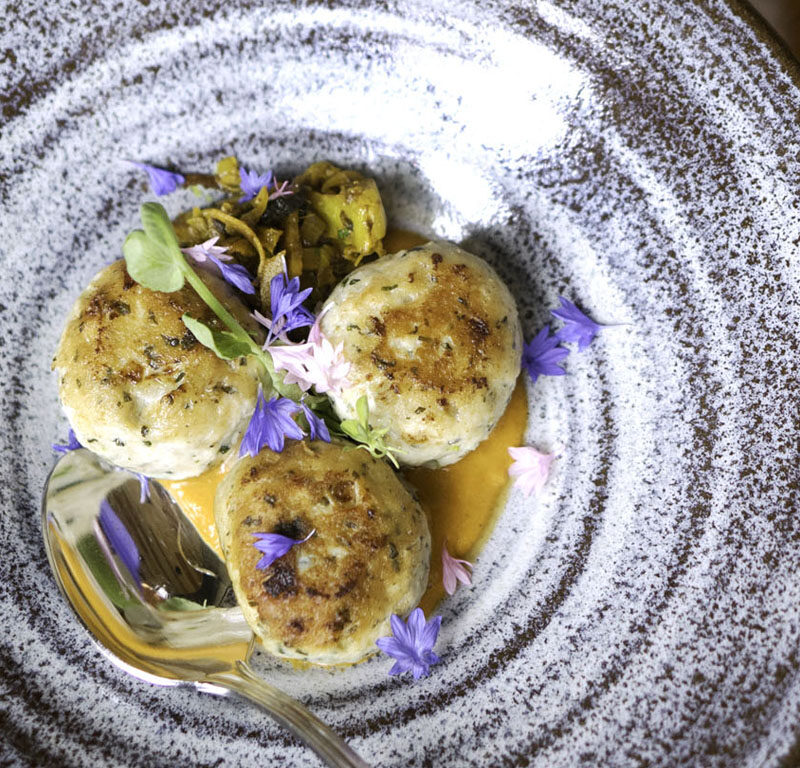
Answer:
(640, 158)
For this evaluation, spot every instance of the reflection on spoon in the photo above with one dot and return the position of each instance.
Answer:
(156, 599)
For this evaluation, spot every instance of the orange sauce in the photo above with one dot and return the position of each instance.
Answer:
(196, 498)
(462, 501)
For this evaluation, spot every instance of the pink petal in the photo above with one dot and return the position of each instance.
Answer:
(454, 571)
(531, 468)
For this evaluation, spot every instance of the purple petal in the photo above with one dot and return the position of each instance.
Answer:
(317, 428)
(121, 541)
(286, 304)
(416, 624)
(541, 356)
(412, 643)
(420, 670)
(274, 545)
(274, 436)
(72, 444)
(252, 183)
(235, 274)
(161, 182)
(391, 646)
(402, 665)
(429, 633)
(399, 630)
(270, 423)
(578, 328)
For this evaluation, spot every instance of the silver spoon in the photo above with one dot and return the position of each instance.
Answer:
(156, 599)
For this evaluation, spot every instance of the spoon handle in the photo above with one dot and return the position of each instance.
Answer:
(291, 714)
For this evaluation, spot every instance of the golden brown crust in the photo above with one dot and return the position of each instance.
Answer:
(434, 341)
(329, 599)
(139, 389)
(461, 331)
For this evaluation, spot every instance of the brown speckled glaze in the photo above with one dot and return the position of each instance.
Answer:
(640, 158)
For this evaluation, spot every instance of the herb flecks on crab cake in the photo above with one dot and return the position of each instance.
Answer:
(137, 387)
(329, 598)
(434, 340)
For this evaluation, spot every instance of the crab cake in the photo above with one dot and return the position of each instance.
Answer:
(434, 341)
(327, 600)
(139, 389)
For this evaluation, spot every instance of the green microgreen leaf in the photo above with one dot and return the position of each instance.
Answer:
(151, 265)
(224, 343)
(369, 439)
(362, 409)
(354, 430)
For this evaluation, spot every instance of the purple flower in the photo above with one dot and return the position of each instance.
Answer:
(273, 546)
(286, 302)
(72, 444)
(541, 356)
(252, 183)
(120, 540)
(317, 428)
(161, 182)
(412, 644)
(577, 327)
(271, 422)
(235, 274)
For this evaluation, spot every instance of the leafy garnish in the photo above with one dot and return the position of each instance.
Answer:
(368, 438)
(154, 259)
(150, 264)
(223, 343)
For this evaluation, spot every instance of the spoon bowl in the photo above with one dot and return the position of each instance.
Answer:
(154, 596)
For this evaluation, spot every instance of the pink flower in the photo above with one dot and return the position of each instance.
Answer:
(298, 362)
(316, 363)
(208, 249)
(531, 468)
(280, 190)
(453, 571)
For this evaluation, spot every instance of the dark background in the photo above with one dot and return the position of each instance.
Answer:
(784, 16)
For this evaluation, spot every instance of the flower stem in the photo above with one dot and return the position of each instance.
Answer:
(216, 305)
(270, 380)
